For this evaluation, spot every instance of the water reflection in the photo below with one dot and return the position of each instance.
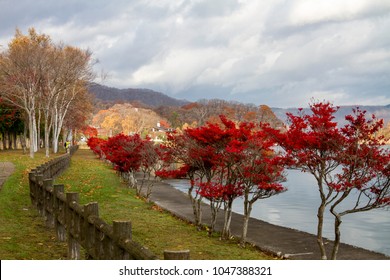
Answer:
(297, 208)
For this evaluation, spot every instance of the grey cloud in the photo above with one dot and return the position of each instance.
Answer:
(214, 8)
(252, 51)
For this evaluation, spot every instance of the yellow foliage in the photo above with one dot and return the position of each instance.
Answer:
(127, 119)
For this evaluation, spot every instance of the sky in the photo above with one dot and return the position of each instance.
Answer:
(282, 53)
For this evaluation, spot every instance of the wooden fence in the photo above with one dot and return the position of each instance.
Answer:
(80, 225)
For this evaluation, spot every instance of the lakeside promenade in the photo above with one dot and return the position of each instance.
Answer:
(279, 241)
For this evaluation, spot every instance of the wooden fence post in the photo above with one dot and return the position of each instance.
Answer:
(48, 202)
(73, 244)
(32, 184)
(121, 230)
(58, 208)
(40, 192)
(98, 242)
(177, 255)
(90, 210)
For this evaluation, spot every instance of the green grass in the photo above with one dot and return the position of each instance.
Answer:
(23, 235)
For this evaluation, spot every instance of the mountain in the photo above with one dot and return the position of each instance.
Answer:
(155, 99)
(145, 96)
(381, 112)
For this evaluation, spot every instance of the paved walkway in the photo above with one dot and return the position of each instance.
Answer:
(281, 241)
(6, 169)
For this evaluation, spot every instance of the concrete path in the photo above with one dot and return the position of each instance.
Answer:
(6, 169)
(280, 241)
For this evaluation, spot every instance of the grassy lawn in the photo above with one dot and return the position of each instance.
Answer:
(23, 235)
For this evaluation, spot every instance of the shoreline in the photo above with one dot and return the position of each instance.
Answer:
(276, 240)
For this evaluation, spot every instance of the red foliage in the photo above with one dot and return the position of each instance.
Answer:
(341, 159)
(228, 155)
(127, 153)
(96, 144)
(174, 174)
(90, 131)
(124, 152)
(349, 157)
(218, 191)
(9, 114)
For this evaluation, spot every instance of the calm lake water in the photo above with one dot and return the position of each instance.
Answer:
(297, 208)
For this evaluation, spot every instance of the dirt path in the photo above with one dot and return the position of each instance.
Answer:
(6, 169)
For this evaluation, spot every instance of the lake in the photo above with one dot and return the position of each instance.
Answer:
(297, 208)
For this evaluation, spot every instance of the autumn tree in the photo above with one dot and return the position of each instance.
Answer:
(126, 119)
(43, 78)
(204, 111)
(97, 146)
(347, 162)
(224, 161)
(124, 152)
(180, 164)
(131, 154)
(365, 166)
(75, 75)
(199, 111)
(259, 169)
(89, 131)
(50, 86)
(11, 124)
(151, 155)
(210, 141)
(21, 76)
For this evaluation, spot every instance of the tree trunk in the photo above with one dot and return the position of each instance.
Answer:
(336, 245)
(196, 206)
(196, 210)
(23, 139)
(337, 223)
(320, 240)
(56, 133)
(214, 212)
(247, 213)
(9, 140)
(15, 137)
(132, 180)
(4, 140)
(35, 132)
(31, 120)
(38, 131)
(47, 135)
(226, 234)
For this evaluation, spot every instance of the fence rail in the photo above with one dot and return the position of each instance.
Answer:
(80, 225)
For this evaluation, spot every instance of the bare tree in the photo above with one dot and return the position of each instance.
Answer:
(76, 73)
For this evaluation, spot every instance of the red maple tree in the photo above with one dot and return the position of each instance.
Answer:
(96, 144)
(89, 131)
(343, 160)
(225, 161)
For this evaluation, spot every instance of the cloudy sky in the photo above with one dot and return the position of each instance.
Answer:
(282, 53)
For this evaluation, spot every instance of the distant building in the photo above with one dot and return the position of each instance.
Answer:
(161, 128)
(158, 133)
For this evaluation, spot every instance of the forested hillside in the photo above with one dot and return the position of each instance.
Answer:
(139, 111)
(125, 118)
(146, 96)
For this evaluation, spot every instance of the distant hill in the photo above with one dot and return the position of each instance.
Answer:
(145, 96)
(381, 112)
